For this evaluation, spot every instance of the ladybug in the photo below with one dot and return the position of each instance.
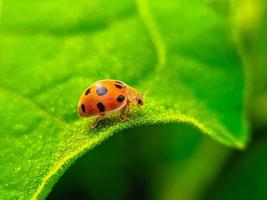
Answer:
(107, 96)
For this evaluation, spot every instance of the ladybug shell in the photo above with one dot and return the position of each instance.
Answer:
(102, 97)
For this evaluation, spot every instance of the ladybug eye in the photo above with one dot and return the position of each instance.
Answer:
(140, 101)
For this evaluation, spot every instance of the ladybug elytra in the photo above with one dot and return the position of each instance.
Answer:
(107, 96)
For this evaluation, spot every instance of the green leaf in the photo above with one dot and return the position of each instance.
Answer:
(180, 52)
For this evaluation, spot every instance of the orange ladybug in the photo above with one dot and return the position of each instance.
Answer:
(107, 96)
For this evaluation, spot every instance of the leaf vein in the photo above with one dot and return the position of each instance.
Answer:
(151, 27)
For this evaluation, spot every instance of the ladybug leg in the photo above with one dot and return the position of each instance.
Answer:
(124, 112)
(95, 123)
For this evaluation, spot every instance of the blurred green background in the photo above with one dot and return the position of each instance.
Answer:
(171, 161)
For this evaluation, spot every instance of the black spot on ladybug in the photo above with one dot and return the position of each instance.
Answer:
(119, 84)
(101, 107)
(120, 98)
(101, 91)
(83, 108)
(87, 91)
